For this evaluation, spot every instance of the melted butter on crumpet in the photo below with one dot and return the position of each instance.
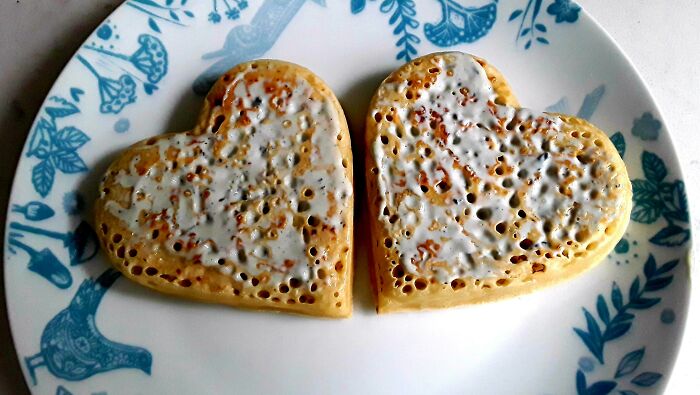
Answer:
(262, 195)
(469, 194)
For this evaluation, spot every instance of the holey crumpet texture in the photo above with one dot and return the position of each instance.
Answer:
(473, 198)
(252, 208)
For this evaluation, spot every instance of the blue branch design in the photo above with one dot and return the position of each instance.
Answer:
(402, 16)
(615, 326)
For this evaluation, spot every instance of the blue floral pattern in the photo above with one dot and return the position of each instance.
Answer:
(149, 62)
(647, 127)
(173, 12)
(56, 147)
(71, 346)
(531, 29)
(613, 324)
(656, 198)
(461, 24)
(564, 11)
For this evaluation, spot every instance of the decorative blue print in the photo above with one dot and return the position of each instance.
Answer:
(55, 148)
(232, 10)
(647, 127)
(122, 125)
(159, 11)
(533, 30)
(75, 94)
(564, 11)
(586, 364)
(588, 107)
(615, 326)
(43, 263)
(104, 32)
(654, 198)
(461, 24)
(622, 247)
(148, 65)
(668, 316)
(246, 42)
(81, 243)
(114, 94)
(34, 211)
(73, 203)
(72, 347)
(618, 141)
(403, 14)
(61, 390)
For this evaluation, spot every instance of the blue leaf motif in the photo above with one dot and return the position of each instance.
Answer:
(592, 345)
(658, 283)
(68, 162)
(644, 303)
(525, 32)
(515, 15)
(667, 267)
(541, 27)
(654, 168)
(646, 379)
(616, 331)
(70, 138)
(650, 266)
(675, 201)
(40, 143)
(616, 297)
(174, 16)
(634, 288)
(629, 363)
(601, 388)
(543, 40)
(591, 102)
(356, 6)
(43, 176)
(647, 207)
(603, 311)
(671, 236)
(153, 25)
(386, 6)
(580, 383)
(60, 112)
(618, 141)
(189, 13)
(528, 44)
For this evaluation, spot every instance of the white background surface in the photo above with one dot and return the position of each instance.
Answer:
(661, 37)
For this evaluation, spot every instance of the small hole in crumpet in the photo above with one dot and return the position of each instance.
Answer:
(218, 121)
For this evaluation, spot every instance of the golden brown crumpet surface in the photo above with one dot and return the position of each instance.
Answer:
(474, 199)
(253, 208)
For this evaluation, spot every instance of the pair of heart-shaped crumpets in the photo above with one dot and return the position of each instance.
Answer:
(474, 199)
(252, 208)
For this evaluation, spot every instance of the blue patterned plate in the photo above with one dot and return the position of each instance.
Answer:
(80, 329)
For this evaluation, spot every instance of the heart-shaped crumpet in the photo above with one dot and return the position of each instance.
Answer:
(474, 199)
(253, 208)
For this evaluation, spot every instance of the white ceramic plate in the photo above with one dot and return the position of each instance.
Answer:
(615, 329)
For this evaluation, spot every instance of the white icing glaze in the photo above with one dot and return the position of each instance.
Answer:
(233, 195)
(449, 140)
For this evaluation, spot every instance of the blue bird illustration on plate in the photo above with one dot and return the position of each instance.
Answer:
(245, 42)
(72, 347)
(461, 24)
